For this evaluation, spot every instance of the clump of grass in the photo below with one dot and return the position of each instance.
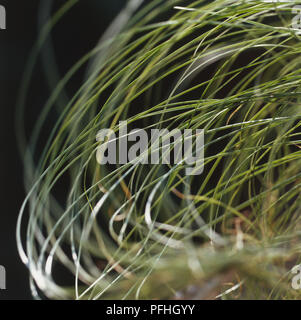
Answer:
(138, 231)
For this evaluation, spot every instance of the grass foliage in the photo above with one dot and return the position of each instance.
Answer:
(232, 68)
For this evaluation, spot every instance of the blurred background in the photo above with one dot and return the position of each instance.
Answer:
(76, 34)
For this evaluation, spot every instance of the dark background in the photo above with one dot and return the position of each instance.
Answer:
(76, 34)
